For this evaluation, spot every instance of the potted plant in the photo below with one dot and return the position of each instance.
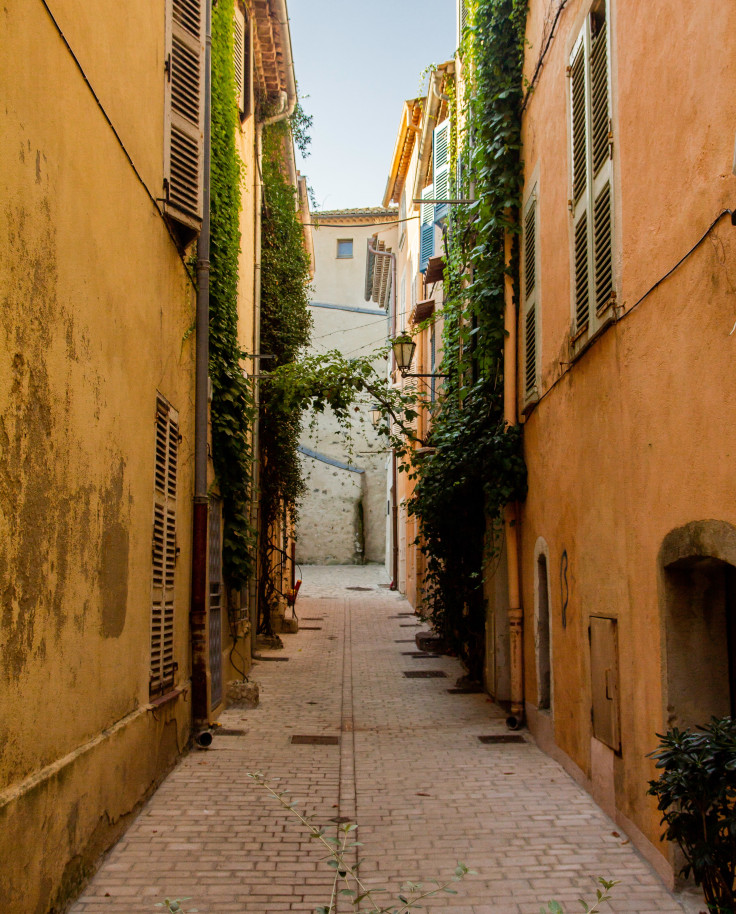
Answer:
(696, 792)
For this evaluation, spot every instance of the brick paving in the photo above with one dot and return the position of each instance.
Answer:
(409, 768)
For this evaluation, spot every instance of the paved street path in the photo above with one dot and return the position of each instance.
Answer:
(408, 767)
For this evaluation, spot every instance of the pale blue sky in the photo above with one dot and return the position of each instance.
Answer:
(358, 61)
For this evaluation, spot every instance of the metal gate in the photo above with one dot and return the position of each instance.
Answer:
(215, 604)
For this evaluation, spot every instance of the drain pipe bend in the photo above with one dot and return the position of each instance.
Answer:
(511, 514)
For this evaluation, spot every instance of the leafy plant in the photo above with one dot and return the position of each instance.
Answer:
(346, 881)
(476, 467)
(602, 895)
(696, 792)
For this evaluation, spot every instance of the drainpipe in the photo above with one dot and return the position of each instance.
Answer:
(288, 103)
(198, 608)
(394, 473)
(511, 514)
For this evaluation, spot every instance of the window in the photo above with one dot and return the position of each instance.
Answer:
(426, 229)
(241, 44)
(344, 248)
(530, 314)
(441, 168)
(592, 177)
(163, 666)
(185, 114)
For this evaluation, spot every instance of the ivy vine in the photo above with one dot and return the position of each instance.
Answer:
(233, 408)
(477, 466)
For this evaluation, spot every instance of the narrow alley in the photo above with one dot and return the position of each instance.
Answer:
(408, 766)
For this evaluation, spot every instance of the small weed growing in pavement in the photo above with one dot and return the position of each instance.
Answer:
(603, 894)
(362, 897)
(173, 906)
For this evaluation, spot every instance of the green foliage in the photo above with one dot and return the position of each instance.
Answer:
(696, 793)
(477, 467)
(233, 410)
(603, 895)
(286, 326)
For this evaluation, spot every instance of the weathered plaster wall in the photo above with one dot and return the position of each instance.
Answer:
(94, 308)
(329, 514)
(633, 441)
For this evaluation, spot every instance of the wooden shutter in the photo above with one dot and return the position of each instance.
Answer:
(185, 112)
(531, 298)
(426, 229)
(592, 179)
(215, 601)
(441, 167)
(163, 666)
(242, 54)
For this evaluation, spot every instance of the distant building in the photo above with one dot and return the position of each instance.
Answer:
(343, 516)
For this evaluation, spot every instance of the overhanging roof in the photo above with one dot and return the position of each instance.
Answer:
(403, 148)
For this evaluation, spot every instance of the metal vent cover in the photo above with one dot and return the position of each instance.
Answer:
(501, 738)
(306, 740)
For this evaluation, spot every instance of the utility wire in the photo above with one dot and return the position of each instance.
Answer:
(118, 138)
(706, 233)
(538, 67)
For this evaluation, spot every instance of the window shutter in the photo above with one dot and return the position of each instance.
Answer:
(426, 229)
(185, 110)
(163, 666)
(531, 299)
(441, 167)
(241, 47)
(592, 178)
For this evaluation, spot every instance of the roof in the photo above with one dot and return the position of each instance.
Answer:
(268, 49)
(365, 214)
(411, 117)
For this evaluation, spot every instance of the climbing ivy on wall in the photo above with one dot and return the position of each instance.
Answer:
(286, 326)
(232, 409)
(477, 466)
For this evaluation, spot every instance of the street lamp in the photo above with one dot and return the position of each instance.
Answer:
(376, 414)
(403, 348)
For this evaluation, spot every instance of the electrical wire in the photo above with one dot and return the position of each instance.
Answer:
(538, 67)
(117, 136)
(706, 233)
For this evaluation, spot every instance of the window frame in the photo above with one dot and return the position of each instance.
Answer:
(338, 255)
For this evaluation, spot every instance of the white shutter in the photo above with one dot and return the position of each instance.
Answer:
(426, 229)
(592, 178)
(441, 167)
(163, 666)
(185, 112)
(530, 278)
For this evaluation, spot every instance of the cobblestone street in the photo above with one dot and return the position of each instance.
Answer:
(408, 767)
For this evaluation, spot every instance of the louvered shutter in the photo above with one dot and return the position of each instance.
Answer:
(426, 229)
(185, 110)
(531, 299)
(592, 180)
(239, 55)
(163, 666)
(441, 167)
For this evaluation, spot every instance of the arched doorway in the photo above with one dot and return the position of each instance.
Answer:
(698, 585)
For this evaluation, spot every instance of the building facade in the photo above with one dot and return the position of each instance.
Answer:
(625, 381)
(343, 515)
(102, 183)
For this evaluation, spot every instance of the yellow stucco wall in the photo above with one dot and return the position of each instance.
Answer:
(95, 310)
(632, 439)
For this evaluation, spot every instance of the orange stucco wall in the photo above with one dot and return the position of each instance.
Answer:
(632, 438)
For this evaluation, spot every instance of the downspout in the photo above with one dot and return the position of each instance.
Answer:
(288, 103)
(198, 608)
(511, 513)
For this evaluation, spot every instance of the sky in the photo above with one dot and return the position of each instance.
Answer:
(358, 62)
